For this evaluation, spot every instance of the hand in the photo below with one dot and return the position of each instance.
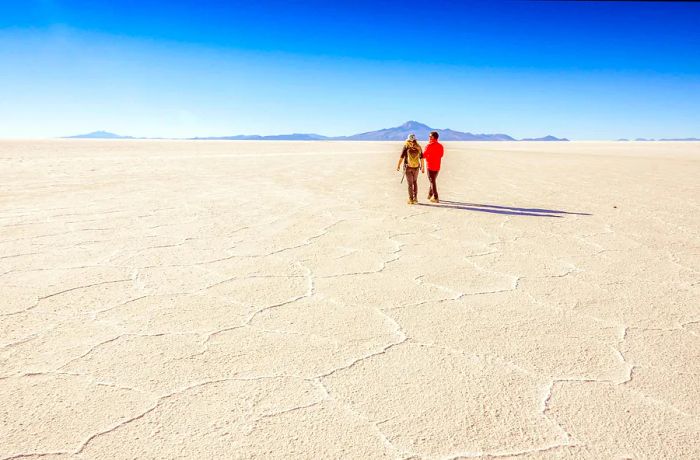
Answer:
(397, 169)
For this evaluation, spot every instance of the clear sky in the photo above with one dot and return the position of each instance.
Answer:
(583, 70)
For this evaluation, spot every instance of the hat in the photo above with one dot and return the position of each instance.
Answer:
(411, 137)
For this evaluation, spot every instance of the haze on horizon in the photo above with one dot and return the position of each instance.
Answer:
(581, 70)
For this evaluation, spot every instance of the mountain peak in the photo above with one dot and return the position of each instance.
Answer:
(411, 124)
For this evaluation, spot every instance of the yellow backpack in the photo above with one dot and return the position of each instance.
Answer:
(413, 152)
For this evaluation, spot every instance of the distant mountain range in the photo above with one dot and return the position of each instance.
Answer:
(255, 137)
(398, 133)
(99, 135)
(545, 138)
(422, 131)
(642, 139)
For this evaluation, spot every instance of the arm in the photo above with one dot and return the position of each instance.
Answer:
(403, 155)
(422, 161)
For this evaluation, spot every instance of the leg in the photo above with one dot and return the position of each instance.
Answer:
(410, 179)
(431, 178)
(408, 182)
(415, 185)
(433, 182)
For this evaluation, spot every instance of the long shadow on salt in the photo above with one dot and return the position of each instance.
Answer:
(507, 210)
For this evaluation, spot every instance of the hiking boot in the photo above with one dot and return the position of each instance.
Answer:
(415, 201)
(410, 201)
(434, 200)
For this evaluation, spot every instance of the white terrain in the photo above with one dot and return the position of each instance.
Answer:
(216, 299)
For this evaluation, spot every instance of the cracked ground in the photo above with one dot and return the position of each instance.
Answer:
(180, 299)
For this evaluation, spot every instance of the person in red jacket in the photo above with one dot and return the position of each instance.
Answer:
(433, 155)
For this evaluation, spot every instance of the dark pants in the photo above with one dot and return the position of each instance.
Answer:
(432, 175)
(412, 179)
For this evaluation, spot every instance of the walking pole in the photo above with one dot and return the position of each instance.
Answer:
(404, 173)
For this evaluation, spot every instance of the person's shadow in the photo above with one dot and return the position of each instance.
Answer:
(507, 210)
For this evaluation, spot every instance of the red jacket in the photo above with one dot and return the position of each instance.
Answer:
(433, 154)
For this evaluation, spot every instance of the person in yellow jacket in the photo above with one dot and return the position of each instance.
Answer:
(412, 156)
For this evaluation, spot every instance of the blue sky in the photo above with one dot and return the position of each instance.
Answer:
(584, 70)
